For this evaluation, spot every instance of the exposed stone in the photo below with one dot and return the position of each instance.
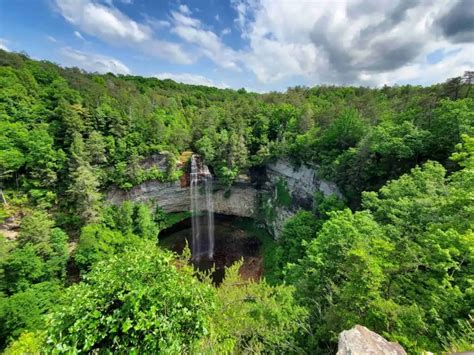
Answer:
(157, 160)
(240, 200)
(302, 182)
(10, 228)
(361, 341)
(275, 225)
(243, 197)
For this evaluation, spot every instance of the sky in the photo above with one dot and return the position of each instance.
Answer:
(260, 45)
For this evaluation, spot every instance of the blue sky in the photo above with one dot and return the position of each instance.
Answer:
(261, 45)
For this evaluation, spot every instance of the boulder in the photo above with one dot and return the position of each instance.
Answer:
(362, 341)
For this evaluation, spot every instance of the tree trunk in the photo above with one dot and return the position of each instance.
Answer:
(2, 196)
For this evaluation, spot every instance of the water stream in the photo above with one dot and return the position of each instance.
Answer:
(201, 208)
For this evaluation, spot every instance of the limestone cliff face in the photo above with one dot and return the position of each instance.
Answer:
(241, 200)
(301, 183)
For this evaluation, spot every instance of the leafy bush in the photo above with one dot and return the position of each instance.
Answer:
(137, 301)
(253, 317)
(26, 310)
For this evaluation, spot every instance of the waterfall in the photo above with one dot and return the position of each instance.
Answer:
(203, 234)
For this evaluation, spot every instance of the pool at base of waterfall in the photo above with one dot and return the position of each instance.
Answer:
(233, 241)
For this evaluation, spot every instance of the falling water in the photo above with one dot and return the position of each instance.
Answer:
(201, 245)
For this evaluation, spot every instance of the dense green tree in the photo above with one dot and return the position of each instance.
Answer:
(399, 262)
(252, 317)
(96, 243)
(26, 310)
(402, 263)
(137, 301)
(145, 226)
(40, 254)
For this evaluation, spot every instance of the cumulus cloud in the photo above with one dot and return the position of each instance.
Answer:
(109, 24)
(93, 62)
(457, 24)
(352, 41)
(104, 22)
(155, 23)
(192, 30)
(184, 9)
(362, 42)
(193, 79)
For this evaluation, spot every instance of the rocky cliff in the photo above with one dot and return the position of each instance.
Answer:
(240, 200)
(297, 184)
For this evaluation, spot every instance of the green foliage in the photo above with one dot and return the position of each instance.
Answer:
(253, 317)
(40, 254)
(26, 310)
(460, 339)
(323, 205)
(297, 232)
(137, 301)
(98, 242)
(283, 196)
(361, 137)
(403, 263)
(27, 343)
(121, 226)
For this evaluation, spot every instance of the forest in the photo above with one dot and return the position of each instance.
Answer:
(393, 252)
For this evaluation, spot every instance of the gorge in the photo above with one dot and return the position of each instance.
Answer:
(249, 196)
(310, 214)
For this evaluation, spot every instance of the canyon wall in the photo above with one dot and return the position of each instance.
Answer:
(244, 198)
(240, 200)
(298, 183)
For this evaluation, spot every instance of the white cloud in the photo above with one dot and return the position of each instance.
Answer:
(184, 9)
(109, 24)
(367, 42)
(155, 23)
(52, 39)
(193, 79)
(78, 35)
(104, 22)
(93, 62)
(455, 63)
(207, 42)
(3, 44)
(346, 42)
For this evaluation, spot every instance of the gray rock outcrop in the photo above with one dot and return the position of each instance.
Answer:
(240, 201)
(301, 182)
(362, 341)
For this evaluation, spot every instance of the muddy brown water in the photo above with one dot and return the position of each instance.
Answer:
(232, 243)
